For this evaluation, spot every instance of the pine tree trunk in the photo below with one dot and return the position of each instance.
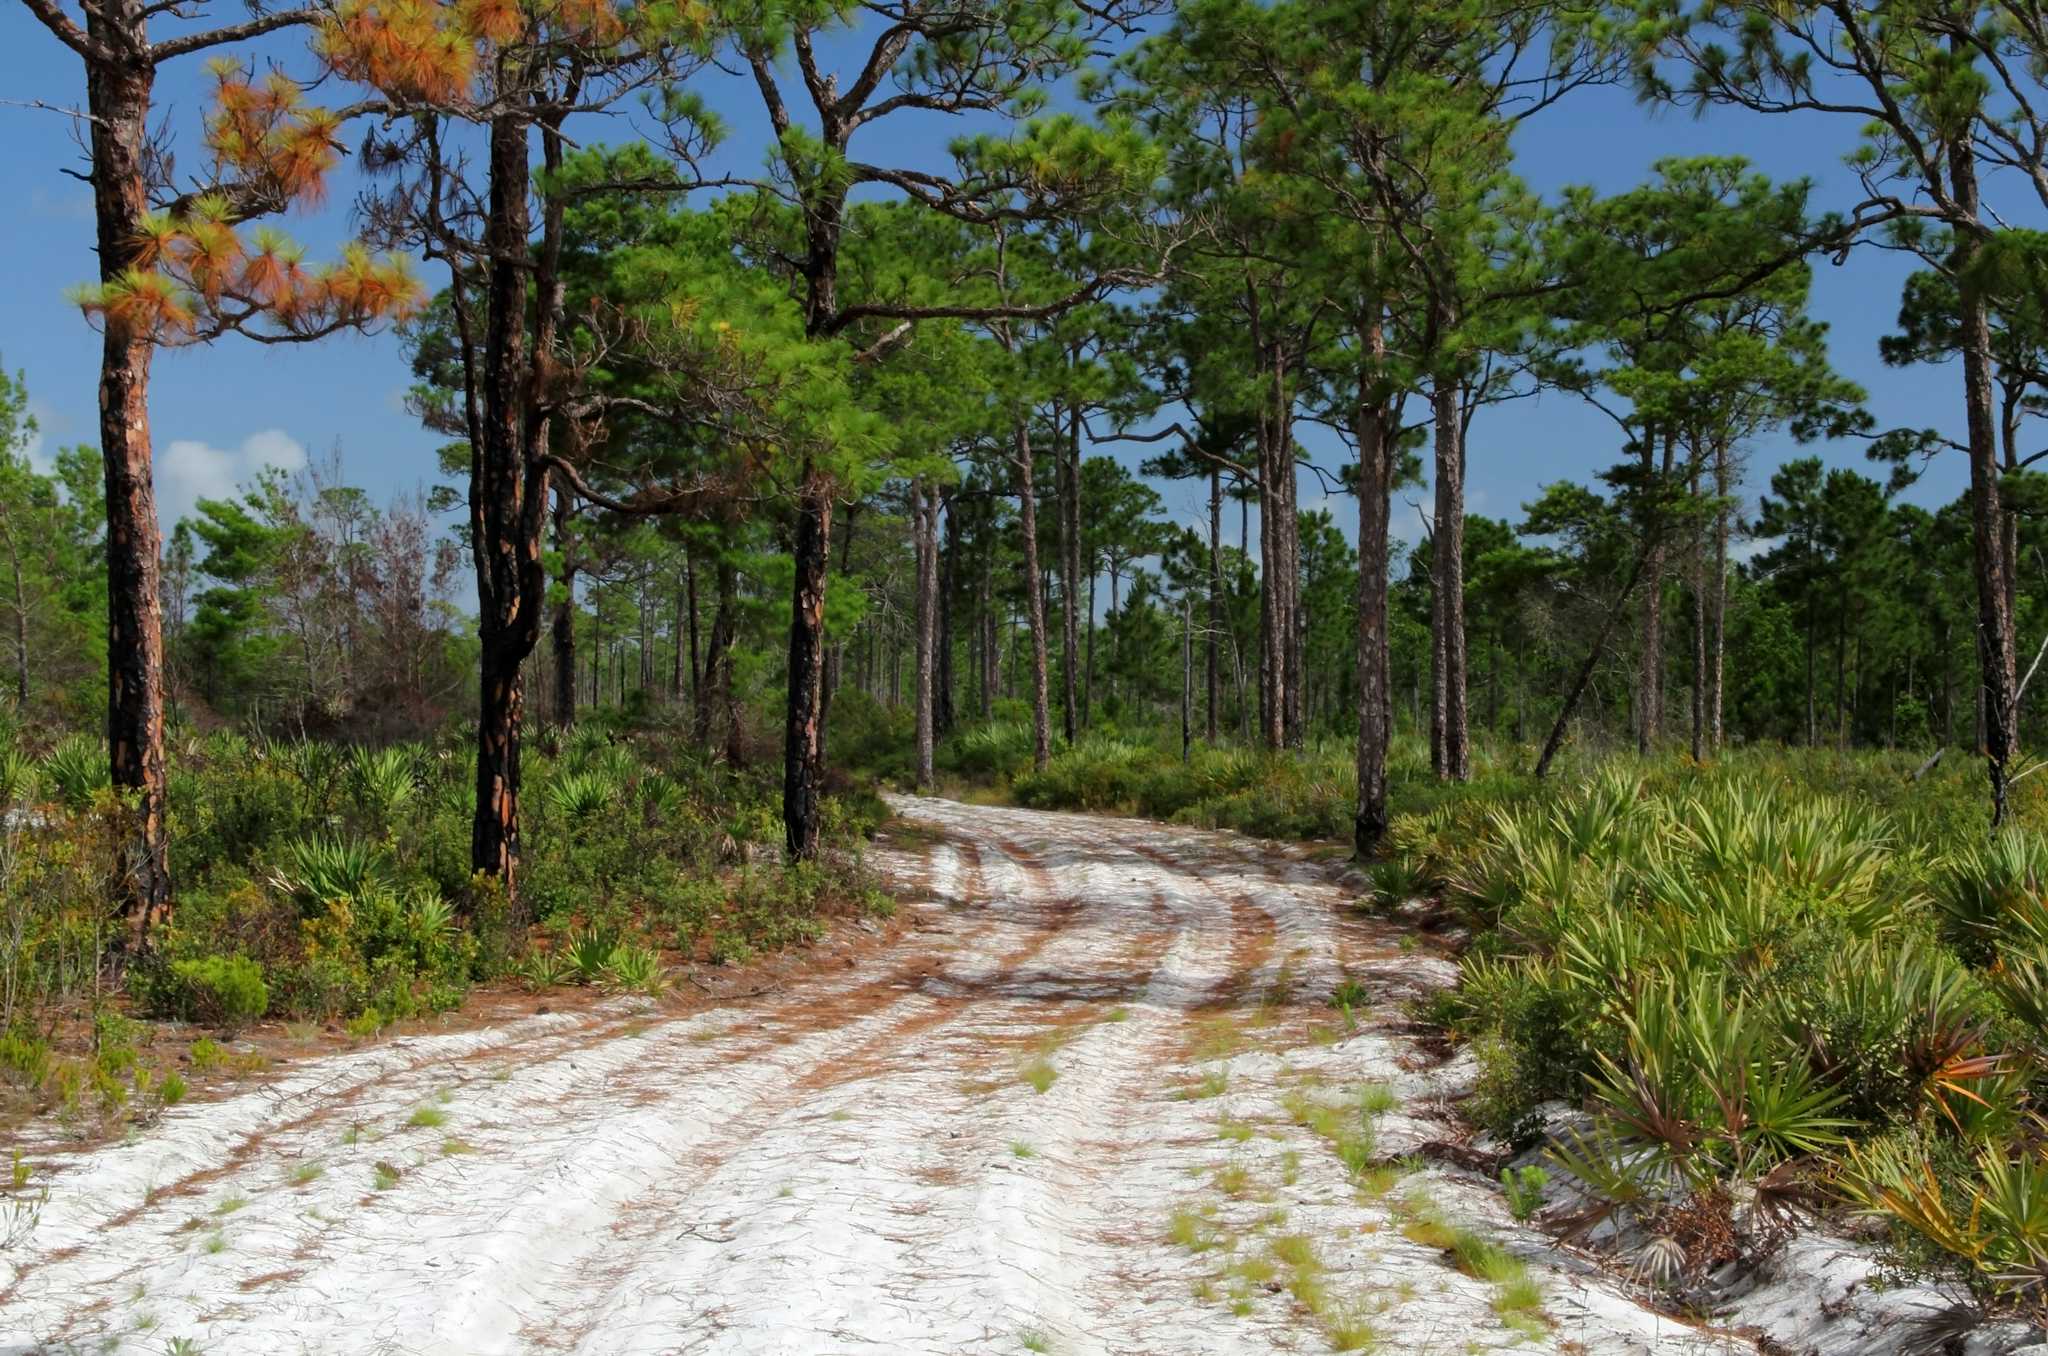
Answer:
(1698, 588)
(1272, 596)
(690, 602)
(1997, 661)
(1069, 487)
(1448, 568)
(1650, 675)
(1214, 658)
(1717, 599)
(942, 697)
(924, 517)
(118, 98)
(1288, 557)
(564, 633)
(803, 734)
(709, 689)
(1034, 598)
(1088, 677)
(1378, 460)
(990, 657)
(509, 486)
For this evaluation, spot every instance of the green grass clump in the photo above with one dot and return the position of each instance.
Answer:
(1040, 1074)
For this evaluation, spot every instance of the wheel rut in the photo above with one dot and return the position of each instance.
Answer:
(1089, 1051)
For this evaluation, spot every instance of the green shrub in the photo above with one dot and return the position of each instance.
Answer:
(222, 990)
(76, 770)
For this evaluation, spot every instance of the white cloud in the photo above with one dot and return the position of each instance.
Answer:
(188, 470)
(41, 445)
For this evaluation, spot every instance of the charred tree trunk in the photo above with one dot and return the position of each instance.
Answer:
(714, 676)
(803, 736)
(1214, 658)
(1997, 662)
(509, 484)
(924, 517)
(564, 637)
(1378, 461)
(118, 96)
(1650, 676)
(1034, 597)
(1699, 636)
(1069, 486)
(1717, 597)
(942, 696)
(1449, 722)
(991, 657)
(803, 743)
(690, 603)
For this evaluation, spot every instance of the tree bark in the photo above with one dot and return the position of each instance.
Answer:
(925, 523)
(713, 678)
(1034, 597)
(118, 98)
(1717, 597)
(1698, 587)
(803, 731)
(1377, 463)
(942, 696)
(990, 657)
(509, 487)
(1997, 661)
(565, 617)
(1650, 676)
(1214, 664)
(1448, 571)
(1069, 487)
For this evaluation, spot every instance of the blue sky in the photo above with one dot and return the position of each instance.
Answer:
(220, 413)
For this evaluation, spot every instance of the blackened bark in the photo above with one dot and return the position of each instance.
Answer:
(1068, 483)
(508, 494)
(1997, 662)
(690, 601)
(1717, 596)
(924, 511)
(1034, 596)
(1374, 433)
(803, 742)
(1698, 585)
(1450, 722)
(1650, 675)
(118, 97)
(1214, 658)
(714, 677)
(942, 695)
(990, 656)
(565, 617)
(803, 732)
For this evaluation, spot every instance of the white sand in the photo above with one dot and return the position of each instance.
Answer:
(855, 1164)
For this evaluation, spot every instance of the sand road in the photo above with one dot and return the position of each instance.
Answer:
(1096, 1102)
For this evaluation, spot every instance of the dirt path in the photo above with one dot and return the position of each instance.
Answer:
(1096, 1103)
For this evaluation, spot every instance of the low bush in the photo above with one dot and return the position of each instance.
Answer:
(1769, 995)
(224, 991)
